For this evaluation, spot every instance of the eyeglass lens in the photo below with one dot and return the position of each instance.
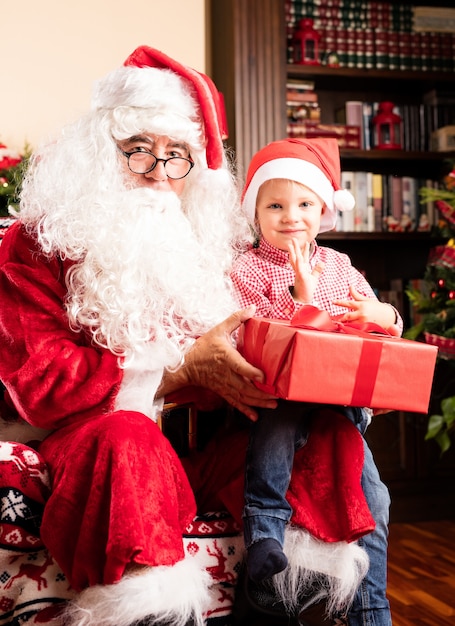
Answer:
(143, 162)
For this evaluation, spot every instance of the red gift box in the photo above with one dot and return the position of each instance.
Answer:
(341, 364)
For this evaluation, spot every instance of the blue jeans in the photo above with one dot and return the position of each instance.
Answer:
(274, 438)
(370, 606)
(273, 441)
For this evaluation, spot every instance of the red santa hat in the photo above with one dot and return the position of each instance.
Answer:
(209, 99)
(314, 163)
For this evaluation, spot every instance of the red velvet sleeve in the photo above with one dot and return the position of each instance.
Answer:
(53, 375)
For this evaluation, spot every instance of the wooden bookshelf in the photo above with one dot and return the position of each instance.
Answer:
(249, 65)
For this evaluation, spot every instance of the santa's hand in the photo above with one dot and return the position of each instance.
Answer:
(214, 363)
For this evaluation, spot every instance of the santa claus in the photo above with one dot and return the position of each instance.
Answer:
(115, 295)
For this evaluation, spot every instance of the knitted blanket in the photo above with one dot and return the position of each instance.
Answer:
(32, 586)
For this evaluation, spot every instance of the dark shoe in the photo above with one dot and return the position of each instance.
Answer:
(255, 604)
(314, 615)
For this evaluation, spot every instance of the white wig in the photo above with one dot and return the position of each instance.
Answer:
(157, 265)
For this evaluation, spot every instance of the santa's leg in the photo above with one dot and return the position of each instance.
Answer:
(114, 522)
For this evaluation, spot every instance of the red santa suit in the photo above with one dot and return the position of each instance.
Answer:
(71, 388)
(119, 492)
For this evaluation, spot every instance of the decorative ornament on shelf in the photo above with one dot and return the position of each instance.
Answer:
(306, 43)
(434, 302)
(12, 166)
(387, 128)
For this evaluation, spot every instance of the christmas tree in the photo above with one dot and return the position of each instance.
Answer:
(12, 167)
(435, 302)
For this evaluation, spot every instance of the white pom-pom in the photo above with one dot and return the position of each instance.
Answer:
(343, 200)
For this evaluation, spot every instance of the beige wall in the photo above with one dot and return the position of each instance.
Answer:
(51, 51)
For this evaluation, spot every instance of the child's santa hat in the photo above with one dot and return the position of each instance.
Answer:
(314, 163)
(173, 95)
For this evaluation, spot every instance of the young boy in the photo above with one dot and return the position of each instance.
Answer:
(291, 195)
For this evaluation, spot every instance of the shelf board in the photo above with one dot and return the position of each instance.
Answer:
(415, 236)
(333, 73)
(296, 70)
(397, 155)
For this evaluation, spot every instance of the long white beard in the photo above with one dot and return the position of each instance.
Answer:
(146, 284)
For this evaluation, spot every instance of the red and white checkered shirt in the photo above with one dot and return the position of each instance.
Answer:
(263, 275)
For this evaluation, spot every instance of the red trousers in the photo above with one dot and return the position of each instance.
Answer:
(120, 493)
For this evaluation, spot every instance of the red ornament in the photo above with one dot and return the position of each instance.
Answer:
(451, 295)
(8, 158)
(441, 282)
(306, 43)
(387, 128)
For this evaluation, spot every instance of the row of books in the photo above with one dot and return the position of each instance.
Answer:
(304, 117)
(386, 203)
(370, 48)
(302, 101)
(346, 136)
(388, 15)
(372, 36)
(419, 121)
(355, 12)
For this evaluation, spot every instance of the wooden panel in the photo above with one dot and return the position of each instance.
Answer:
(248, 65)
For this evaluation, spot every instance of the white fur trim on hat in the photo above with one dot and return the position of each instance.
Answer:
(161, 99)
(146, 88)
(301, 172)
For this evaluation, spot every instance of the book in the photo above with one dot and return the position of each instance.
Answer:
(377, 202)
(347, 182)
(385, 199)
(360, 191)
(371, 227)
(346, 136)
(396, 197)
(301, 96)
(434, 19)
(368, 112)
(300, 85)
(410, 200)
(354, 117)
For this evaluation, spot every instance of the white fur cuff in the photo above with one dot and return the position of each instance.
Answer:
(337, 569)
(170, 594)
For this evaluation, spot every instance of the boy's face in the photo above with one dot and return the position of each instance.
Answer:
(287, 210)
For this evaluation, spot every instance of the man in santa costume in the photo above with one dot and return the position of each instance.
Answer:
(115, 296)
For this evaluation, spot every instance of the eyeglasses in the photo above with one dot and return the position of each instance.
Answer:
(143, 162)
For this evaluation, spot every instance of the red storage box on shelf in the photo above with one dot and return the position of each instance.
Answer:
(340, 364)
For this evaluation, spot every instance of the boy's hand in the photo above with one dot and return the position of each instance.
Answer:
(306, 279)
(364, 309)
